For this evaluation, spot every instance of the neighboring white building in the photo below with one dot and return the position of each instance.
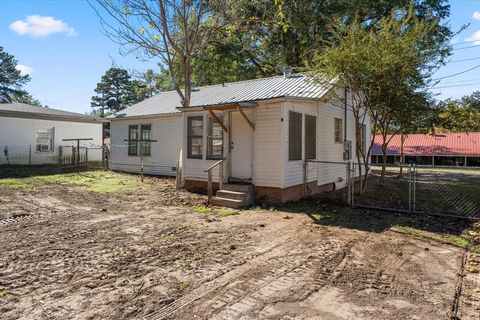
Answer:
(264, 129)
(34, 135)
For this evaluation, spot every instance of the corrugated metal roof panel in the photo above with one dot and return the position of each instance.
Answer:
(296, 86)
(463, 143)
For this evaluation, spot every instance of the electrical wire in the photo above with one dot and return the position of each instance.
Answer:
(455, 86)
(469, 47)
(462, 60)
(459, 73)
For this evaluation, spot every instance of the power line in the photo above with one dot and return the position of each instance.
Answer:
(457, 81)
(462, 60)
(455, 86)
(464, 42)
(459, 73)
(469, 47)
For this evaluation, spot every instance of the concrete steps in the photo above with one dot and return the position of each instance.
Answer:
(234, 196)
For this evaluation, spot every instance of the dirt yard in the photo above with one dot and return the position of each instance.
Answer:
(104, 246)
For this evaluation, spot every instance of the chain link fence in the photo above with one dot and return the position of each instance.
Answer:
(449, 191)
(60, 156)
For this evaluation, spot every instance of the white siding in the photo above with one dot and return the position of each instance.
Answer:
(195, 168)
(267, 155)
(20, 134)
(293, 170)
(164, 153)
(327, 149)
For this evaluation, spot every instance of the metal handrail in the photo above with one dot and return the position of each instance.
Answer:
(220, 176)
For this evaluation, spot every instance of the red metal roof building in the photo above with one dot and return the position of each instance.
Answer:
(460, 149)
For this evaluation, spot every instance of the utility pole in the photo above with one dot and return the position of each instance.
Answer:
(141, 152)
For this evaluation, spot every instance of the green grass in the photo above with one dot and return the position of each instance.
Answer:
(201, 209)
(456, 240)
(95, 181)
(13, 183)
(226, 212)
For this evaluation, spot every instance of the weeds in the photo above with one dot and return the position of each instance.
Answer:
(226, 212)
(3, 293)
(201, 209)
(13, 183)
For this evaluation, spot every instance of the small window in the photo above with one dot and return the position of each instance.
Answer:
(146, 130)
(195, 137)
(215, 139)
(338, 130)
(310, 137)
(132, 145)
(294, 136)
(45, 141)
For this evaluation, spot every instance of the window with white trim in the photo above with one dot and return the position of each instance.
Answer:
(195, 137)
(214, 139)
(338, 130)
(45, 140)
(132, 145)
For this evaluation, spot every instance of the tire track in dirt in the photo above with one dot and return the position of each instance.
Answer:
(272, 275)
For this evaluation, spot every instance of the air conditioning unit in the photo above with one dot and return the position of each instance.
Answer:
(347, 150)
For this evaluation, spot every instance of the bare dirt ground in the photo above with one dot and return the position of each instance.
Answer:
(68, 253)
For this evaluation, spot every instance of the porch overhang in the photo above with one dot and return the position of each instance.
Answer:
(233, 106)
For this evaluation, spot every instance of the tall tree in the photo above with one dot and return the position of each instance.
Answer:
(461, 115)
(114, 92)
(381, 62)
(11, 80)
(174, 30)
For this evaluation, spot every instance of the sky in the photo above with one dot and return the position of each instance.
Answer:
(61, 45)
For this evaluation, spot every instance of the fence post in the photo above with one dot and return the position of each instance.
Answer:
(220, 176)
(410, 188)
(349, 182)
(305, 164)
(209, 185)
(414, 194)
(30, 155)
(86, 158)
(354, 171)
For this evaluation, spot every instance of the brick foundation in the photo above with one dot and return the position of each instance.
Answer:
(268, 195)
(200, 186)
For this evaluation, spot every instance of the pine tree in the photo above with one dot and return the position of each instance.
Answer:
(114, 92)
(11, 80)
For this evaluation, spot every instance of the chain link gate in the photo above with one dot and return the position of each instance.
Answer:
(447, 191)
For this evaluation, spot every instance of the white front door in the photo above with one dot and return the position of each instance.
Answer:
(241, 143)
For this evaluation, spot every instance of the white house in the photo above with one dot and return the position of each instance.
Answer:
(262, 129)
(34, 135)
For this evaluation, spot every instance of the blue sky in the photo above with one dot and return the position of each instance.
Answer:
(67, 53)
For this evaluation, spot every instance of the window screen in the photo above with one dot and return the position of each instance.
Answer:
(295, 136)
(310, 137)
(215, 139)
(195, 137)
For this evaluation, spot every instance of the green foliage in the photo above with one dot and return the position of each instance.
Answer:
(3, 293)
(461, 115)
(12, 81)
(115, 85)
(13, 183)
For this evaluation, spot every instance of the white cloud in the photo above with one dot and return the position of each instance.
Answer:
(475, 37)
(24, 69)
(476, 15)
(40, 26)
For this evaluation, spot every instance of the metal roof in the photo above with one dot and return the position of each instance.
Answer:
(22, 109)
(295, 86)
(445, 144)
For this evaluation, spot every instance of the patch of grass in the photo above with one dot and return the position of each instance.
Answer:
(456, 240)
(3, 293)
(475, 249)
(258, 209)
(171, 237)
(13, 183)
(226, 212)
(201, 209)
(102, 182)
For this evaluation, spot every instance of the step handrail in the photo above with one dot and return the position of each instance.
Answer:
(218, 164)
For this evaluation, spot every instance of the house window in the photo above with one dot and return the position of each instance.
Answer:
(294, 136)
(310, 137)
(146, 130)
(45, 140)
(338, 130)
(363, 138)
(214, 139)
(132, 145)
(195, 137)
